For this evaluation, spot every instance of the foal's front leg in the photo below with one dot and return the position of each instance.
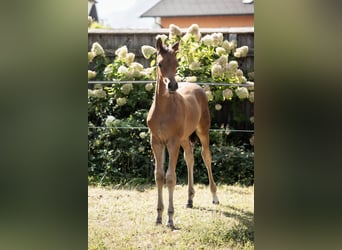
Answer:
(159, 152)
(173, 149)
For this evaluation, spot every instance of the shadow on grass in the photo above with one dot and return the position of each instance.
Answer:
(243, 231)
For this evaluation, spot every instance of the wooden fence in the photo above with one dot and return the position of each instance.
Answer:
(111, 40)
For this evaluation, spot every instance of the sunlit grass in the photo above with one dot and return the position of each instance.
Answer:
(125, 219)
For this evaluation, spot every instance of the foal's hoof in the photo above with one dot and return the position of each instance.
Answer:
(171, 226)
(215, 200)
(158, 221)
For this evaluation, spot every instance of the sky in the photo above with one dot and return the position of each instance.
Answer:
(125, 13)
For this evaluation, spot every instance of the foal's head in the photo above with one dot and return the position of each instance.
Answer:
(167, 64)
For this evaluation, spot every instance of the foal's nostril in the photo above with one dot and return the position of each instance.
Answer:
(173, 86)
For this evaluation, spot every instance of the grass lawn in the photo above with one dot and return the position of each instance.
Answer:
(125, 219)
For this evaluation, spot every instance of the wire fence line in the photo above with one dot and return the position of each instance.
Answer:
(152, 81)
(146, 128)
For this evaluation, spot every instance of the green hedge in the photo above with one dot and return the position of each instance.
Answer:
(119, 144)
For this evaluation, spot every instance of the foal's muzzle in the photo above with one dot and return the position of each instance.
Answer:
(172, 85)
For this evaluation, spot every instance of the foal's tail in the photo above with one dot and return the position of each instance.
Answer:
(193, 138)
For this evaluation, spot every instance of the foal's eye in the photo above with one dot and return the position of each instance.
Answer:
(159, 65)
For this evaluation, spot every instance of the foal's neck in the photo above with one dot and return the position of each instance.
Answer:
(160, 92)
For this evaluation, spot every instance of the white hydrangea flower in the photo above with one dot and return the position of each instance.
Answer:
(121, 101)
(178, 78)
(137, 66)
(191, 79)
(207, 40)
(225, 45)
(206, 88)
(98, 93)
(97, 49)
(194, 31)
(195, 66)
(237, 54)
(251, 119)
(233, 44)
(218, 106)
(209, 95)
(230, 73)
(121, 52)
(91, 56)
(129, 58)
(142, 135)
(174, 31)
(242, 79)
(233, 65)
(91, 74)
(227, 94)
(134, 73)
(123, 70)
(108, 70)
(148, 51)
(129, 74)
(220, 51)
(141, 149)
(216, 71)
(149, 86)
(217, 39)
(148, 72)
(109, 121)
(241, 52)
(136, 69)
(126, 88)
(239, 73)
(222, 60)
(251, 97)
(242, 92)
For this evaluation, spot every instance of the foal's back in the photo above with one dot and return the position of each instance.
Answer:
(193, 92)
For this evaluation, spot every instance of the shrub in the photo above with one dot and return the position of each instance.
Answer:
(118, 142)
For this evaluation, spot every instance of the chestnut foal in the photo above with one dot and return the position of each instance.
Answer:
(178, 112)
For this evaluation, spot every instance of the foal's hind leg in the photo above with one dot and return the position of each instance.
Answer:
(189, 159)
(206, 155)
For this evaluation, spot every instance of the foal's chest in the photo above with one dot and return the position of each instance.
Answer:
(164, 126)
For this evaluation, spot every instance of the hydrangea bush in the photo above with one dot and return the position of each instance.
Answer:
(119, 149)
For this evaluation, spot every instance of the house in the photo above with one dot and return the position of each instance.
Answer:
(92, 10)
(205, 13)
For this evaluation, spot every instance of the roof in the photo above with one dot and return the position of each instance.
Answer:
(92, 10)
(173, 8)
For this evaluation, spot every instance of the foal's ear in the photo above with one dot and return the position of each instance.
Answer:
(159, 45)
(175, 47)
